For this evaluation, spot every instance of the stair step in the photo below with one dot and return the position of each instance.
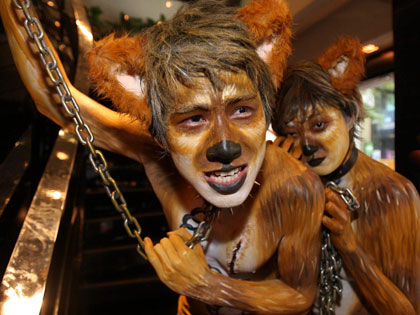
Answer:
(129, 298)
(111, 232)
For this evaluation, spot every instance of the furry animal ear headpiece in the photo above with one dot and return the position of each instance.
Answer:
(117, 65)
(269, 22)
(117, 68)
(345, 62)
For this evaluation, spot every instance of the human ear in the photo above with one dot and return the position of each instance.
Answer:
(269, 23)
(350, 121)
(345, 62)
(117, 69)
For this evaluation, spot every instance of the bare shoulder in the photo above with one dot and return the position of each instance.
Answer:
(388, 224)
(280, 165)
(289, 183)
(384, 188)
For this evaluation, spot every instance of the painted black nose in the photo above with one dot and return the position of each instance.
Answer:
(224, 152)
(308, 149)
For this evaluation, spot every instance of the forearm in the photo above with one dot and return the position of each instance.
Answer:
(263, 297)
(377, 290)
(113, 131)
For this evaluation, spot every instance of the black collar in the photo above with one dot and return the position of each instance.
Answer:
(343, 169)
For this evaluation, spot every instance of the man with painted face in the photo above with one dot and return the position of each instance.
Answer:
(319, 107)
(197, 82)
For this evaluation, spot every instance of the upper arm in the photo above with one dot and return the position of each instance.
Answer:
(112, 131)
(299, 250)
(389, 231)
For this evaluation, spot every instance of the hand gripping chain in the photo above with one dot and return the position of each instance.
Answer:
(330, 287)
(82, 130)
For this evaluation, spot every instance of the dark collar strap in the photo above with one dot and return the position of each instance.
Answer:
(343, 169)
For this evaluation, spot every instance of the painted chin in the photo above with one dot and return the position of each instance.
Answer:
(228, 180)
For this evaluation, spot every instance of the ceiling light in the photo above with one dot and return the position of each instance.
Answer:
(370, 48)
(169, 4)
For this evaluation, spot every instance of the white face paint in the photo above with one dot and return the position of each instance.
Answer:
(217, 139)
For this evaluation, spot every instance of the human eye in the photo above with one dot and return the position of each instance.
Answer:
(319, 125)
(289, 132)
(193, 121)
(241, 112)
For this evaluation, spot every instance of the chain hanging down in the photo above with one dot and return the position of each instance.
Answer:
(330, 286)
(36, 33)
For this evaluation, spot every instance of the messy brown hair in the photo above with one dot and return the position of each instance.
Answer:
(306, 85)
(202, 39)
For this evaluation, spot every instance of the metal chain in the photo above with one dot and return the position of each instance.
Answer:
(330, 286)
(204, 227)
(36, 33)
(346, 195)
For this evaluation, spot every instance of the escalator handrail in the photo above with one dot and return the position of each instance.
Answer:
(24, 281)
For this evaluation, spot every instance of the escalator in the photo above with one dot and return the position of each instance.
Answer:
(64, 248)
(114, 278)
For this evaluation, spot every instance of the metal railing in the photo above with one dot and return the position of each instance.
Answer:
(24, 281)
(23, 284)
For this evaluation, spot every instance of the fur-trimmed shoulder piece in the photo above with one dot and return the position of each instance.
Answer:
(117, 69)
(269, 22)
(345, 62)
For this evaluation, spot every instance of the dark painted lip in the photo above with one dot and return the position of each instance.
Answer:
(227, 189)
(227, 168)
(316, 162)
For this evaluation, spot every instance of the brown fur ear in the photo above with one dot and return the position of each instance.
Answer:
(269, 22)
(117, 69)
(345, 62)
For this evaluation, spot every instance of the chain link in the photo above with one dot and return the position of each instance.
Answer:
(330, 286)
(82, 130)
(204, 227)
(346, 195)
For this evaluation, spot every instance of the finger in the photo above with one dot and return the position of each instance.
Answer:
(179, 244)
(287, 144)
(334, 226)
(163, 256)
(181, 232)
(297, 152)
(170, 250)
(279, 140)
(334, 197)
(183, 249)
(152, 256)
(338, 213)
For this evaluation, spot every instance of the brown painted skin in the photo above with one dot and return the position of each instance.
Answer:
(272, 238)
(380, 246)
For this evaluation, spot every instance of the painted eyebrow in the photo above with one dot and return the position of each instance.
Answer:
(313, 115)
(239, 98)
(188, 108)
(290, 123)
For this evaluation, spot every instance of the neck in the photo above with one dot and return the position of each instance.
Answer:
(347, 164)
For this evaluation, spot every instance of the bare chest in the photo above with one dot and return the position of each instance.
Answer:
(237, 245)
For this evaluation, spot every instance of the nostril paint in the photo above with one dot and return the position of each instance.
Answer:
(308, 149)
(224, 152)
